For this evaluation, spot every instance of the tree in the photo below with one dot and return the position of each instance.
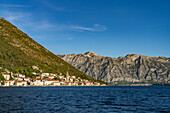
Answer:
(3, 83)
(57, 78)
(45, 77)
(65, 76)
(74, 80)
(11, 78)
(1, 77)
(79, 83)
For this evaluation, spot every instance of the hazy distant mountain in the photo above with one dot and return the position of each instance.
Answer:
(123, 70)
(18, 53)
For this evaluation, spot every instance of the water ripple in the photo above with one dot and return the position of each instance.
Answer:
(85, 99)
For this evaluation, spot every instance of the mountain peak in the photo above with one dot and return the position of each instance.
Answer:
(90, 53)
(131, 55)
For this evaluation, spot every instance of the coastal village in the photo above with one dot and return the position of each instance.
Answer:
(45, 79)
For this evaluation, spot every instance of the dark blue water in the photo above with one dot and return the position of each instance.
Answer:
(85, 99)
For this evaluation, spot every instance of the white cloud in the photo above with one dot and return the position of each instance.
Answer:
(81, 28)
(60, 27)
(95, 27)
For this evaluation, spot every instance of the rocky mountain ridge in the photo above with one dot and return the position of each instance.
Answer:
(129, 69)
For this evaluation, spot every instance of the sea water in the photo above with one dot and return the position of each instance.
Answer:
(109, 99)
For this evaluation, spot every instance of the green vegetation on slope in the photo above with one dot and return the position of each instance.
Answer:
(18, 52)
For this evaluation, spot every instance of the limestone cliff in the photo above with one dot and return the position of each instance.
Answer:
(131, 68)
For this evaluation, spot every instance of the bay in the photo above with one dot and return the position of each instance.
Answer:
(107, 99)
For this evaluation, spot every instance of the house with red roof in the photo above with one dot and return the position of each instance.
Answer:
(48, 82)
(38, 82)
(6, 76)
(9, 83)
(61, 76)
(27, 78)
(18, 78)
(21, 83)
(56, 82)
(51, 77)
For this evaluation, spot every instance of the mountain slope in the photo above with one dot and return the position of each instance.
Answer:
(130, 69)
(18, 53)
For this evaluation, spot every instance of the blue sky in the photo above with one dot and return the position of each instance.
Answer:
(107, 27)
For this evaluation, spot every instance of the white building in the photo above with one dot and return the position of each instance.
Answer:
(88, 83)
(69, 83)
(73, 76)
(96, 83)
(53, 74)
(56, 83)
(51, 77)
(45, 74)
(27, 78)
(75, 83)
(21, 83)
(48, 82)
(60, 76)
(9, 83)
(71, 79)
(18, 78)
(38, 82)
(34, 73)
(19, 75)
(6, 76)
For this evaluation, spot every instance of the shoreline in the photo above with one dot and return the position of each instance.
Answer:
(95, 86)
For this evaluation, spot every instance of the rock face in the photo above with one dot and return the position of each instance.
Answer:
(131, 68)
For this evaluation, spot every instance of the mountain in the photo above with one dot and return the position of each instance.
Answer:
(19, 54)
(130, 69)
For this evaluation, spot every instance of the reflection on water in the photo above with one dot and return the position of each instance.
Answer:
(85, 99)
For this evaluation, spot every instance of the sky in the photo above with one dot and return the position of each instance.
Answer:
(107, 27)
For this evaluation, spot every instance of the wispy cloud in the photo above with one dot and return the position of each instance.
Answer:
(14, 16)
(70, 38)
(95, 27)
(60, 27)
(26, 19)
(44, 25)
(13, 5)
(52, 6)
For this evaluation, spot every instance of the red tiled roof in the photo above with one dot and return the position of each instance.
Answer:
(5, 74)
(9, 80)
(38, 79)
(21, 81)
(54, 80)
(47, 79)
